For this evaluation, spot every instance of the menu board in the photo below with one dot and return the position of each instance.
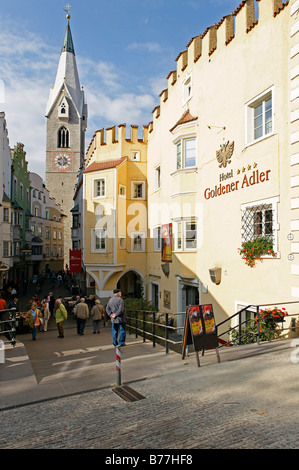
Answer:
(203, 327)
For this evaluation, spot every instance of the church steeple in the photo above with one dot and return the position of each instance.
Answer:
(67, 76)
(66, 115)
(68, 45)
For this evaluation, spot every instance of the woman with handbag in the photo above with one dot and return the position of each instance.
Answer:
(33, 318)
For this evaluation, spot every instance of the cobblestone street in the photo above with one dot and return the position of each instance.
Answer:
(250, 403)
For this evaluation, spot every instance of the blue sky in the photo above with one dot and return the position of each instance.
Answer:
(124, 49)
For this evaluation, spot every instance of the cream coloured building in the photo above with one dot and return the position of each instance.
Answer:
(115, 211)
(223, 164)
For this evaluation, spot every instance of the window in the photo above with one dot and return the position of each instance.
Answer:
(187, 89)
(36, 211)
(55, 251)
(33, 229)
(47, 233)
(138, 190)
(40, 231)
(76, 222)
(47, 214)
(63, 137)
(259, 117)
(122, 190)
(21, 191)
(55, 235)
(5, 249)
(99, 188)
(60, 235)
(98, 240)
(185, 235)
(135, 155)
(5, 214)
(122, 243)
(157, 238)
(259, 220)
(138, 241)
(157, 177)
(185, 153)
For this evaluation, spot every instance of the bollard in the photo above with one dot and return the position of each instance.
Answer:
(118, 366)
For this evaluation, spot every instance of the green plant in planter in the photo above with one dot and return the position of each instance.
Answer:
(252, 250)
(268, 319)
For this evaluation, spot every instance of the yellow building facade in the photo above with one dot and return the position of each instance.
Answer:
(223, 165)
(115, 211)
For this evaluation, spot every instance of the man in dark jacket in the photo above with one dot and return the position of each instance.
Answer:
(116, 310)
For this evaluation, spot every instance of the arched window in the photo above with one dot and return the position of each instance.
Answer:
(63, 138)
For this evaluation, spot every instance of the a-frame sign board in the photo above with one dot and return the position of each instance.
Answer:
(200, 330)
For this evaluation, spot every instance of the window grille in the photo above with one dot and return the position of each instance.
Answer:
(257, 222)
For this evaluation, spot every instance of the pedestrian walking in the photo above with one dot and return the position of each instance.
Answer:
(51, 303)
(82, 314)
(33, 317)
(60, 315)
(97, 313)
(117, 312)
(46, 315)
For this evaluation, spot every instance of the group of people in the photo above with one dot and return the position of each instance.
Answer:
(39, 314)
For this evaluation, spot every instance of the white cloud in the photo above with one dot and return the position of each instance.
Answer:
(148, 46)
(28, 67)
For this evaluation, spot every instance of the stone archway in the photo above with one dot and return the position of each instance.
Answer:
(132, 284)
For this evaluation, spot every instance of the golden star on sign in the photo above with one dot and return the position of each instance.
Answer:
(243, 169)
(254, 165)
(238, 172)
(249, 167)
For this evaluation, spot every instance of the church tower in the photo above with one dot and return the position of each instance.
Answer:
(66, 115)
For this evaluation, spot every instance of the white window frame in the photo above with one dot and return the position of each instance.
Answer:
(180, 228)
(157, 177)
(275, 225)
(182, 141)
(133, 190)
(249, 116)
(157, 232)
(134, 235)
(95, 182)
(101, 234)
(122, 243)
(187, 89)
(135, 155)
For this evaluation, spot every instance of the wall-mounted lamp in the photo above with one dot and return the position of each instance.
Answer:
(215, 275)
(165, 269)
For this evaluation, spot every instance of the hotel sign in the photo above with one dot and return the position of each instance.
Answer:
(224, 187)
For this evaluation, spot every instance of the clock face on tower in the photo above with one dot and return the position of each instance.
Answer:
(62, 161)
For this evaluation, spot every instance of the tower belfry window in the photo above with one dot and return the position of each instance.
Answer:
(63, 138)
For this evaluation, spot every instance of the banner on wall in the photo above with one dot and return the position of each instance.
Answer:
(166, 246)
(75, 261)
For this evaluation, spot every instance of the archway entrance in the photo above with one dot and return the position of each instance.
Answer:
(132, 285)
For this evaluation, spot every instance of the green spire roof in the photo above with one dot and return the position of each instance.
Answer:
(68, 45)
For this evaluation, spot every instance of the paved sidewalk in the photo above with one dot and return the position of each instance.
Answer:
(51, 367)
(241, 403)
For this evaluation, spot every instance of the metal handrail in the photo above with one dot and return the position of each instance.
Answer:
(169, 328)
(11, 332)
(145, 333)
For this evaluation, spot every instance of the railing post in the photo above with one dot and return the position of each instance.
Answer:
(143, 325)
(154, 329)
(13, 326)
(258, 325)
(136, 324)
(240, 328)
(166, 332)
(118, 366)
